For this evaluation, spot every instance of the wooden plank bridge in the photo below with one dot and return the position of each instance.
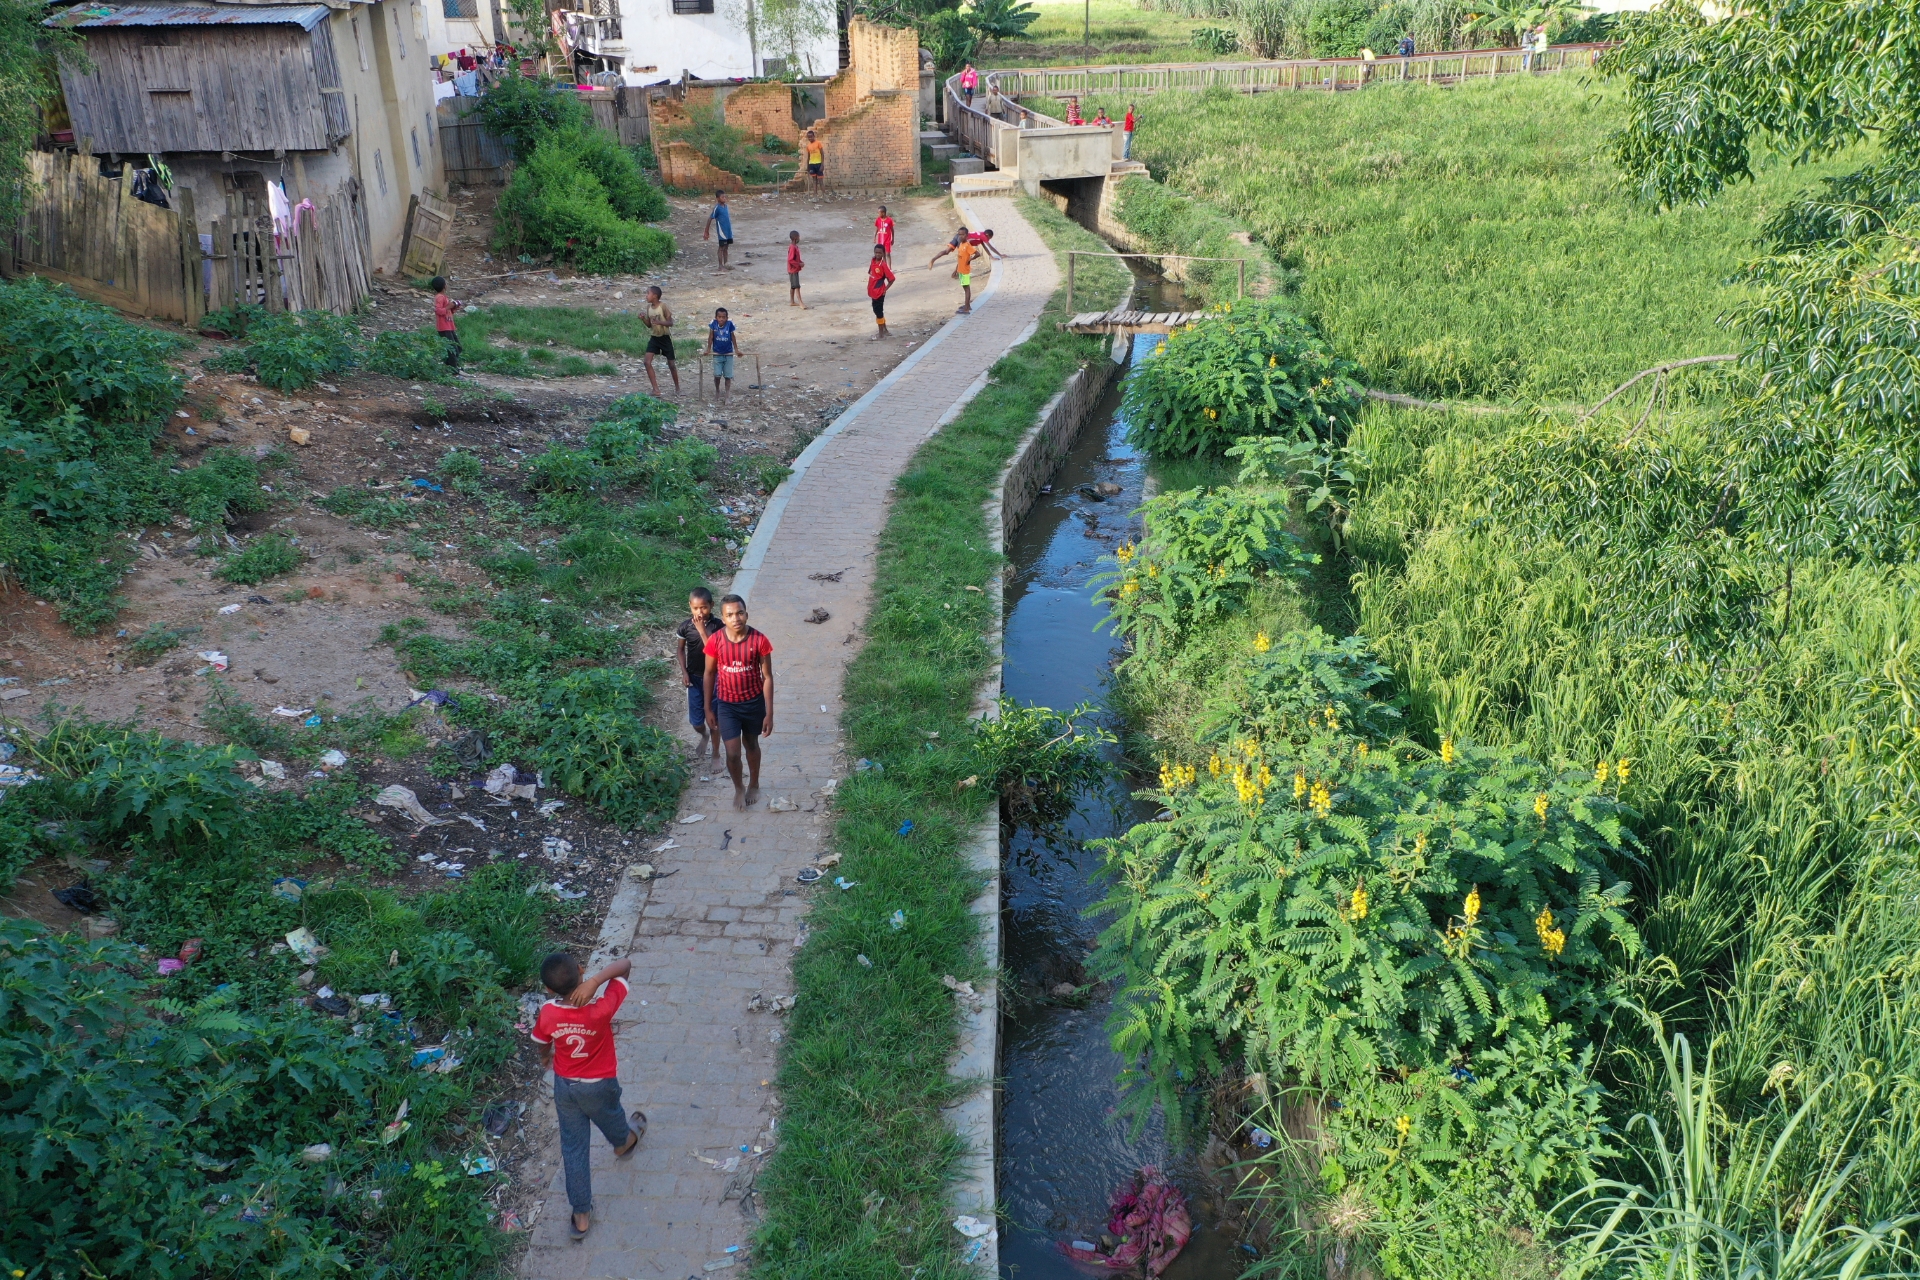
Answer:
(1131, 321)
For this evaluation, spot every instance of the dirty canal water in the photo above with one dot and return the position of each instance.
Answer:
(1064, 1149)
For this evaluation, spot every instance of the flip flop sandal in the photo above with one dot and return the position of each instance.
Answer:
(577, 1233)
(639, 1122)
(808, 875)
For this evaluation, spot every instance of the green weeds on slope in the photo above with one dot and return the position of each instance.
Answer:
(857, 1188)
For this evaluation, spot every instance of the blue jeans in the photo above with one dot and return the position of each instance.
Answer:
(1126, 145)
(579, 1104)
(697, 705)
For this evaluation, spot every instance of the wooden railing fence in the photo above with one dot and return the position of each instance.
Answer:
(321, 266)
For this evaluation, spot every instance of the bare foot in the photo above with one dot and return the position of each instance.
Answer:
(753, 794)
(739, 801)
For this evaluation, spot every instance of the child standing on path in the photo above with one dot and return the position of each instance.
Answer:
(883, 232)
(879, 278)
(1126, 135)
(739, 681)
(794, 268)
(969, 83)
(723, 341)
(693, 634)
(721, 217)
(816, 162)
(659, 320)
(963, 255)
(575, 1035)
(443, 321)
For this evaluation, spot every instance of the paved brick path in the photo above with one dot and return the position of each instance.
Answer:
(723, 927)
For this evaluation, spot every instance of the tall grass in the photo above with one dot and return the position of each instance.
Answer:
(1467, 242)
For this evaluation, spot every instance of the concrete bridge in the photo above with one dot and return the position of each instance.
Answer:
(1027, 148)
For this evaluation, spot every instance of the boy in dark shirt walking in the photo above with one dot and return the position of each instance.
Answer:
(739, 682)
(693, 635)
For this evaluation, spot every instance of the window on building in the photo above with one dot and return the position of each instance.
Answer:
(460, 8)
(693, 6)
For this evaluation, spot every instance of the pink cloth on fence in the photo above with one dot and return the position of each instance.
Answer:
(1149, 1218)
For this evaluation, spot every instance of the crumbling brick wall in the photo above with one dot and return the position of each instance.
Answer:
(871, 133)
(685, 169)
(761, 109)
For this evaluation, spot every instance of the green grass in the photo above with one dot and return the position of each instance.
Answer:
(263, 558)
(1141, 35)
(856, 1190)
(1467, 242)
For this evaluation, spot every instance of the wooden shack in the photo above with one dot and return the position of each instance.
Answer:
(207, 78)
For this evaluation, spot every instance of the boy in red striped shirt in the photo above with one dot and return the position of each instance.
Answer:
(740, 692)
(575, 1035)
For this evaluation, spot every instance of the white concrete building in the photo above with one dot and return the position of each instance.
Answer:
(723, 39)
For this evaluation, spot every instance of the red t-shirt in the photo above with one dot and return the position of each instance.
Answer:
(883, 231)
(582, 1038)
(1129, 125)
(879, 276)
(737, 677)
(443, 312)
(793, 257)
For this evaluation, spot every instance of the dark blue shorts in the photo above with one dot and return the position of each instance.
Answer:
(697, 706)
(741, 719)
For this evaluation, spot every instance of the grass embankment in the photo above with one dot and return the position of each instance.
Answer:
(1121, 32)
(857, 1187)
(1587, 596)
(1466, 242)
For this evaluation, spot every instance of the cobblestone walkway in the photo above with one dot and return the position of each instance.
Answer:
(723, 926)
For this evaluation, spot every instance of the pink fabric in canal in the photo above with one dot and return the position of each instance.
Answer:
(1150, 1221)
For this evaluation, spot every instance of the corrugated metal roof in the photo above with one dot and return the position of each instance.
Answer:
(87, 17)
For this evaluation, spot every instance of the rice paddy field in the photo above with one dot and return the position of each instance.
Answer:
(1467, 242)
(1602, 595)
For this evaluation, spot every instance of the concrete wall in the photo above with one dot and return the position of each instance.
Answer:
(708, 46)
(1062, 153)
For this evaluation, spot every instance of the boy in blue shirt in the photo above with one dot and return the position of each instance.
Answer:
(722, 218)
(723, 343)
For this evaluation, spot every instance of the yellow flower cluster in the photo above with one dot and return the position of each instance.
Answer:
(1357, 907)
(1321, 801)
(1213, 415)
(1619, 770)
(1419, 843)
(1540, 806)
(1174, 776)
(1446, 750)
(1127, 589)
(1213, 764)
(1333, 719)
(1299, 785)
(1247, 787)
(1552, 941)
(1403, 1126)
(1124, 553)
(1262, 642)
(1470, 909)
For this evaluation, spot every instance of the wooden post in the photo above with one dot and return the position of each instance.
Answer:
(406, 235)
(194, 300)
(1243, 278)
(1071, 255)
(277, 299)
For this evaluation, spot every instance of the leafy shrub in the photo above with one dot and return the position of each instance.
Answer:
(234, 321)
(1288, 688)
(264, 558)
(1253, 369)
(555, 205)
(768, 473)
(357, 502)
(1040, 761)
(172, 793)
(707, 131)
(589, 737)
(1200, 556)
(524, 111)
(632, 196)
(1337, 28)
(293, 350)
(156, 640)
(1216, 40)
(60, 352)
(418, 355)
(998, 20)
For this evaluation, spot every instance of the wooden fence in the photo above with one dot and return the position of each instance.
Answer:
(89, 233)
(319, 265)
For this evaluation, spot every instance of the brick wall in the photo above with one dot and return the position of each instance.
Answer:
(761, 109)
(686, 169)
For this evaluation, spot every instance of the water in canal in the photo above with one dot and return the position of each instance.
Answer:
(1063, 1147)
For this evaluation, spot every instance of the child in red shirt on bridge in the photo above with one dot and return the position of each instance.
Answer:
(575, 1035)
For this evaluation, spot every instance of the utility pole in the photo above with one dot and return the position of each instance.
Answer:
(1086, 29)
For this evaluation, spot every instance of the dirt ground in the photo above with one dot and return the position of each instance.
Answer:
(311, 638)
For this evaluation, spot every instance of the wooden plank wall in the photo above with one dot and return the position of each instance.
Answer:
(323, 267)
(226, 88)
(473, 157)
(89, 233)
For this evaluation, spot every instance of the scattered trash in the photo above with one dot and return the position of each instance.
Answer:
(398, 1125)
(99, 927)
(1260, 1138)
(499, 1117)
(190, 950)
(1086, 1246)
(429, 1055)
(718, 1264)
(974, 1229)
(780, 804)
(311, 722)
(550, 807)
(170, 966)
(403, 799)
(800, 938)
(555, 847)
(906, 828)
(510, 1221)
(565, 894)
(288, 889)
(1149, 1223)
(211, 1165)
(470, 749)
(293, 713)
(476, 1165)
(332, 759)
(640, 871)
(863, 765)
(305, 946)
(505, 781)
(1062, 990)
(809, 875)
(966, 782)
(691, 818)
(337, 1006)
(818, 615)
(843, 884)
(274, 769)
(726, 839)
(898, 920)
(81, 897)
(438, 697)
(229, 608)
(214, 658)
(864, 962)
(470, 820)
(377, 1000)
(833, 785)
(427, 484)
(317, 1153)
(825, 577)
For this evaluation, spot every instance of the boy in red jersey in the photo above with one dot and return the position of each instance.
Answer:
(794, 267)
(575, 1035)
(879, 279)
(740, 689)
(883, 232)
